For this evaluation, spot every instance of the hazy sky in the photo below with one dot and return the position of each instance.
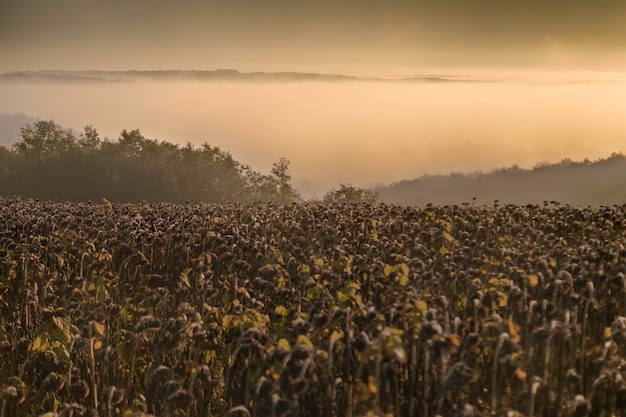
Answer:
(362, 133)
(355, 36)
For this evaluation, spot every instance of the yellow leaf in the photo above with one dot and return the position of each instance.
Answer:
(283, 343)
(552, 262)
(97, 344)
(520, 374)
(503, 300)
(421, 306)
(394, 331)
(185, 280)
(372, 385)
(38, 344)
(280, 311)
(303, 340)
(337, 335)
(455, 340)
(342, 297)
(514, 331)
(58, 321)
(607, 332)
(533, 280)
(354, 285)
(449, 237)
(107, 203)
(443, 250)
(399, 354)
(387, 270)
(99, 328)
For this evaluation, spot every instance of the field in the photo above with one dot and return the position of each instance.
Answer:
(311, 310)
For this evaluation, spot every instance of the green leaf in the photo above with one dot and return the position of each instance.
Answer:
(370, 352)
(62, 354)
(125, 350)
(62, 336)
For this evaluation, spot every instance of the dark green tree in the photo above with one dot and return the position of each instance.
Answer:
(52, 162)
(6, 171)
(43, 140)
(281, 176)
(348, 193)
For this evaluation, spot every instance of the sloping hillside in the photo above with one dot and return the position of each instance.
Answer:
(601, 182)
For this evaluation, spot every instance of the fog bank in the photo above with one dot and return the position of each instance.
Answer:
(362, 133)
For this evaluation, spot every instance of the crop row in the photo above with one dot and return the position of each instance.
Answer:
(311, 310)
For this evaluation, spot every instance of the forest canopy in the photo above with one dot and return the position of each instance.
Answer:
(52, 162)
(49, 161)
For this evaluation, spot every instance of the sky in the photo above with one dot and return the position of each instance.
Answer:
(353, 36)
(555, 73)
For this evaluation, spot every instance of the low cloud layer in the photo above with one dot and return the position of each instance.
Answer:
(362, 133)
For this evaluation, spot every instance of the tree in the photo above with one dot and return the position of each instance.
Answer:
(43, 140)
(52, 162)
(348, 193)
(282, 177)
(47, 161)
(89, 139)
(6, 170)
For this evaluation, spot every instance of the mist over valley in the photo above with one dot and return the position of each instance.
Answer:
(342, 129)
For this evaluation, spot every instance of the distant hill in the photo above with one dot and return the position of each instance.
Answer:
(232, 75)
(10, 125)
(601, 182)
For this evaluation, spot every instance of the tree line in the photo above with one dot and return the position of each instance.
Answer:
(52, 162)
(594, 183)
